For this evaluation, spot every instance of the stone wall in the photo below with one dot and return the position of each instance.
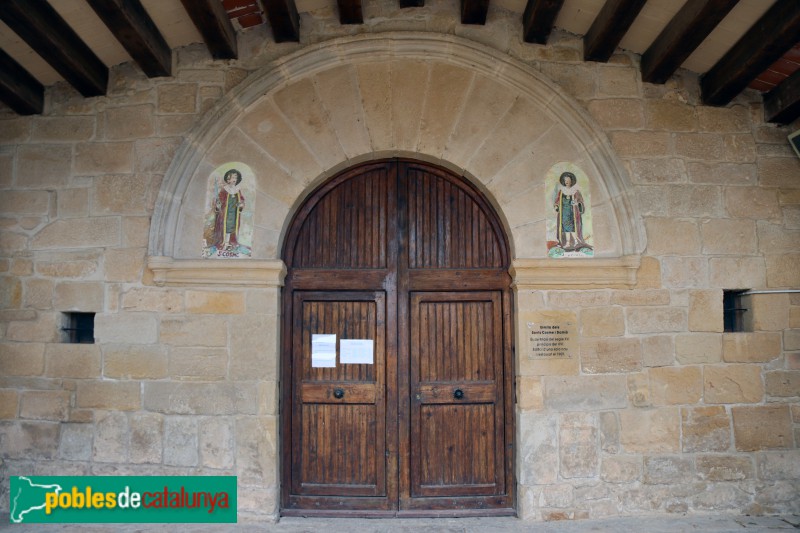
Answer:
(661, 411)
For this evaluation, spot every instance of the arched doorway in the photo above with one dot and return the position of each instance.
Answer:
(411, 262)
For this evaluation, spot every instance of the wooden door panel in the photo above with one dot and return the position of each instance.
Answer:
(457, 409)
(340, 437)
(457, 450)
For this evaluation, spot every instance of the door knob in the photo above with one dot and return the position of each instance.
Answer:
(458, 394)
(338, 394)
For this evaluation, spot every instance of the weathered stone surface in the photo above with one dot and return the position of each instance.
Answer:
(198, 363)
(726, 273)
(650, 430)
(131, 122)
(728, 236)
(782, 271)
(125, 328)
(10, 292)
(217, 442)
(111, 442)
(762, 427)
(772, 172)
(194, 331)
(602, 322)
(124, 264)
(147, 437)
(96, 232)
(45, 327)
(589, 393)
(79, 296)
(723, 174)
(670, 115)
(752, 202)
(766, 312)
(94, 159)
(134, 361)
(578, 453)
(62, 129)
(538, 449)
(43, 166)
(639, 390)
(733, 384)
(621, 468)
(751, 347)
(208, 302)
(153, 299)
(9, 404)
(21, 359)
(120, 195)
(778, 465)
(676, 385)
(530, 393)
(45, 405)
(609, 432)
(719, 496)
(640, 297)
(186, 398)
(29, 440)
(667, 470)
(177, 98)
(705, 429)
(656, 320)
(611, 355)
(782, 384)
(180, 441)
(666, 236)
(72, 360)
(724, 467)
(618, 81)
(697, 348)
(119, 395)
(25, 203)
(256, 449)
(685, 272)
(79, 268)
(615, 113)
(705, 310)
(76, 442)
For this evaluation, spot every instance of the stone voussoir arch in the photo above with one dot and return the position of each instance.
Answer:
(439, 98)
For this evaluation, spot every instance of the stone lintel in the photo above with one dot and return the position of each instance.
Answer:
(216, 272)
(589, 273)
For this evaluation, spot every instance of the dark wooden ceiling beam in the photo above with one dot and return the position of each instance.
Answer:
(213, 23)
(284, 20)
(412, 3)
(18, 89)
(350, 12)
(138, 34)
(681, 36)
(608, 29)
(765, 42)
(538, 20)
(474, 11)
(50, 36)
(782, 104)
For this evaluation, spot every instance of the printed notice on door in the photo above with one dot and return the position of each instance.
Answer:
(551, 335)
(356, 351)
(323, 350)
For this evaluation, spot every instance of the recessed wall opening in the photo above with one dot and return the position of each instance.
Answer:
(733, 309)
(78, 328)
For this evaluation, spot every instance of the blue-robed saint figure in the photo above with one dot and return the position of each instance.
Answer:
(569, 207)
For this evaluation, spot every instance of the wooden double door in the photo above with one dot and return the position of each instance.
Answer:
(404, 267)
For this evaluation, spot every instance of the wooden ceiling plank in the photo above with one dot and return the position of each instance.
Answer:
(679, 38)
(39, 25)
(138, 34)
(782, 104)
(608, 29)
(474, 11)
(766, 41)
(350, 12)
(538, 20)
(18, 89)
(213, 23)
(284, 20)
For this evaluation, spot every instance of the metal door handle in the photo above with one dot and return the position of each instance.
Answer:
(338, 394)
(458, 394)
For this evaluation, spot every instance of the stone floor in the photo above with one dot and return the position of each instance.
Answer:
(638, 524)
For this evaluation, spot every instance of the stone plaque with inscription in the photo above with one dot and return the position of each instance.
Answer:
(551, 335)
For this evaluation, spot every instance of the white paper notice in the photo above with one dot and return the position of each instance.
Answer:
(323, 351)
(356, 351)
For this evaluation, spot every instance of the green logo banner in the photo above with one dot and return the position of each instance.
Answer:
(123, 499)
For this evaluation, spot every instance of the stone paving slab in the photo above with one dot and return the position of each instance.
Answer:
(637, 524)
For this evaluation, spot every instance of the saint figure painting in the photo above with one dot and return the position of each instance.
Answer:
(228, 229)
(569, 221)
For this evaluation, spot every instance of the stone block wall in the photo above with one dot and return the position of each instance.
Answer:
(661, 411)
